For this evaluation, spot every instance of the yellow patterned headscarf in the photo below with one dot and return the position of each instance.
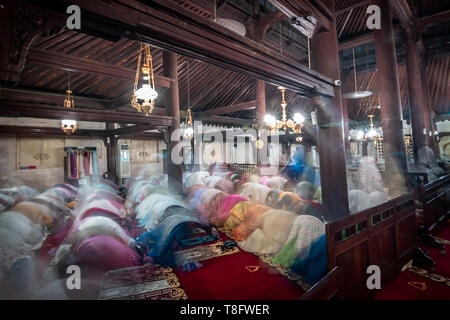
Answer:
(237, 215)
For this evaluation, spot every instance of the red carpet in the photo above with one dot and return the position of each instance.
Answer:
(410, 286)
(238, 276)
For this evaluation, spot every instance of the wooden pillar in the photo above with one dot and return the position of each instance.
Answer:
(260, 88)
(173, 108)
(427, 100)
(111, 153)
(330, 141)
(418, 106)
(391, 109)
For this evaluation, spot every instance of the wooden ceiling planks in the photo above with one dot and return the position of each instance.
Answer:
(171, 27)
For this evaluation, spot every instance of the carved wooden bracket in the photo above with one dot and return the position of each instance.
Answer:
(165, 131)
(109, 141)
(20, 25)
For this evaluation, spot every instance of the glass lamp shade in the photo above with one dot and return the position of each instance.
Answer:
(357, 94)
(259, 144)
(188, 132)
(360, 135)
(299, 118)
(371, 134)
(69, 126)
(270, 120)
(146, 93)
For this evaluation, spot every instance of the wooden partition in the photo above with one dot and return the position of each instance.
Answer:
(435, 202)
(328, 288)
(384, 235)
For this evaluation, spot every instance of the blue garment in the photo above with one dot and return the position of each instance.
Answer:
(296, 164)
(314, 266)
(160, 243)
(312, 175)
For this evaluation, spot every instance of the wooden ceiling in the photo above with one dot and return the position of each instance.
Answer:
(110, 80)
(351, 24)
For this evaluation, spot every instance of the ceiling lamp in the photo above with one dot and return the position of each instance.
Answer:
(69, 126)
(232, 25)
(356, 94)
(68, 101)
(188, 128)
(275, 125)
(372, 134)
(147, 92)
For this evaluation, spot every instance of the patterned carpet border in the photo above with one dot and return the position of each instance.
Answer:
(147, 282)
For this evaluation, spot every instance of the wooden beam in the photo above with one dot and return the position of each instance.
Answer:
(6, 130)
(345, 22)
(58, 99)
(174, 28)
(262, 24)
(404, 13)
(129, 129)
(249, 105)
(221, 119)
(432, 20)
(46, 111)
(50, 98)
(422, 24)
(72, 63)
(356, 4)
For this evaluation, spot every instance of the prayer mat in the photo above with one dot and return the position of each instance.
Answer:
(202, 253)
(147, 282)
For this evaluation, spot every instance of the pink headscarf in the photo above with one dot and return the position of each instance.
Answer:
(219, 218)
(264, 180)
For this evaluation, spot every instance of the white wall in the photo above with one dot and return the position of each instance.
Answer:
(43, 179)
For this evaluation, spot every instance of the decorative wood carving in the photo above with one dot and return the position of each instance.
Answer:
(21, 24)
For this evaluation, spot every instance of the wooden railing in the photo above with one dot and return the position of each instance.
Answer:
(242, 168)
(434, 197)
(384, 235)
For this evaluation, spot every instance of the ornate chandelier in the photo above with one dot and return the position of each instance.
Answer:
(68, 101)
(69, 126)
(274, 125)
(372, 134)
(147, 92)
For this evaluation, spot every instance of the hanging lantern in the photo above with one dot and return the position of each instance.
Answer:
(259, 144)
(356, 94)
(188, 129)
(147, 92)
(68, 101)
(69, 126)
